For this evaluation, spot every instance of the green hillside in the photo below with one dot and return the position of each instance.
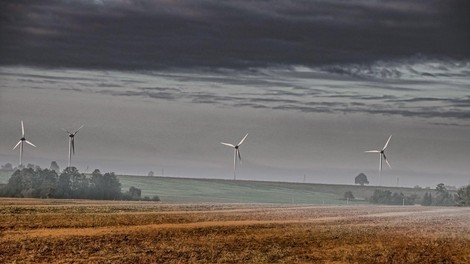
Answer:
(214, 190)
(184, 190)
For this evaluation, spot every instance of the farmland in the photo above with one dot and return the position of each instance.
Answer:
(62, 231)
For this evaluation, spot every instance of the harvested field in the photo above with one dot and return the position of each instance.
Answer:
(64, 231)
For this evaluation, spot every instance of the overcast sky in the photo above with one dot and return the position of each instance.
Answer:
(158, 84)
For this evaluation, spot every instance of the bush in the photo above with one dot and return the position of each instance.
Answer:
(386, 197)
(348, 195)
(463, 196)
(427, 199)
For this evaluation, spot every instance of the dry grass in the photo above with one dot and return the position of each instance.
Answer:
(140, 232)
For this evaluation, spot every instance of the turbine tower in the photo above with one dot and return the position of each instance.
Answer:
(72, 143)
(381, 155)
(235, 154)
(21, 143)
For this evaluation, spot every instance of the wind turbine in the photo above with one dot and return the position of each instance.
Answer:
(235, 154)
(72, 143)
(21, 143)
(381, 154)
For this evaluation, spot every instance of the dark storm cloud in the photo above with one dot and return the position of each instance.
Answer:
(138, 34)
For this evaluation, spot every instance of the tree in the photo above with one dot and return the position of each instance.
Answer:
(443, 197)
(20, 183)
(105, 186)
(463, 196)
(427, 199)
(32, 166)
(441, 188)
(63, 189)
(30, 183)
(381, 197)
(361, 179)
(386, 197)
(113, 186)
(97, 191)
(7, 167)
(135, 193)
(55, 166)
(151, 174)
(348, 195)
(45, 183)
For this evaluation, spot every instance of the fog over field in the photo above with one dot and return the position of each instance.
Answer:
(158, 84)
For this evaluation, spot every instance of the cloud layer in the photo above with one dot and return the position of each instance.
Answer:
(433, 90)
(143, 34)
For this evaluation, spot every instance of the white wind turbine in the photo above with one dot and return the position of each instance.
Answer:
(381, 154)
(72, 143)
(235, 154)
(21, 143)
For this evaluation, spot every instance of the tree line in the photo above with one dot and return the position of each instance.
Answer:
(69, 184)
(442, 197)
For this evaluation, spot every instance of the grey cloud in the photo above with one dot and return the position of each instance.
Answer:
(147, 94)
(74, 89)
(409, 69)
(307, 109)
(428, 99)
(143, 34)
(256, 106)
(424, 112)
(160, 89)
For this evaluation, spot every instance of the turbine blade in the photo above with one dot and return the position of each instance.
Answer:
(78, 130)
(22, 129)
(242, 140)
(17, 144)
(30, 143)
(373, 151)
(73, 146)
(227, 144)
(386, 144)
(239, 155)
(66, 130)
(386, 160)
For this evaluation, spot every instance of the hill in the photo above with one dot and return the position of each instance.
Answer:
(215, 190)
(191, 190)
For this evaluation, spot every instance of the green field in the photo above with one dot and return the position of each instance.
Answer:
(214, 190)
(184, 190)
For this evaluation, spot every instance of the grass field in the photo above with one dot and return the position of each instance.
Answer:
(65, 231)
(177, 190)
(213, 190)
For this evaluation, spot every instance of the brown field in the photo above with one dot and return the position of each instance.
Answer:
(65, 231)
